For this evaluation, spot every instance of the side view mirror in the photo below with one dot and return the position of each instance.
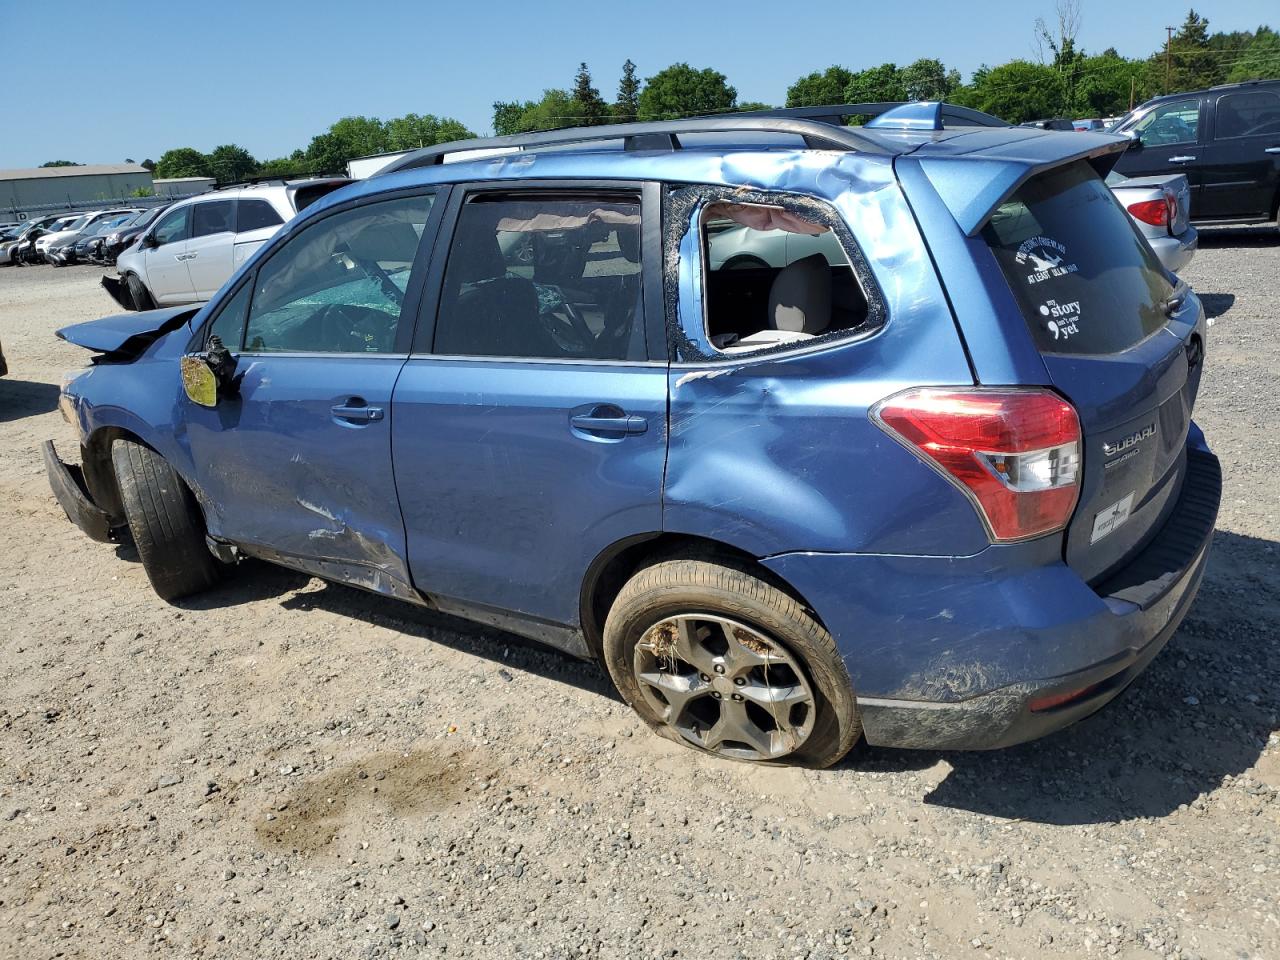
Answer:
(149, 240)
(210, 376)
(1135, 141)
(198, 381)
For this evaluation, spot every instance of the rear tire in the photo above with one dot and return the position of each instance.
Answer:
(139, 293)
(717, 602)
(165, 521)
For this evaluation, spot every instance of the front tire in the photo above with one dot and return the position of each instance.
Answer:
(139, 293)
(165, 521)
(718, 659)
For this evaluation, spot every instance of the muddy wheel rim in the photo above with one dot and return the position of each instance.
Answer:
(725, 687)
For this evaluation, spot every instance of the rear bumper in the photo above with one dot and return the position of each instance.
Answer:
(955, 653)
(1176, 252)
(67, 483)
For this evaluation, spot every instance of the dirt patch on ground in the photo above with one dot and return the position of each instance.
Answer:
(313, 815)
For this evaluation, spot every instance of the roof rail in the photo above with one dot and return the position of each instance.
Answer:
(282, 178)
(821, 128)
(656, 135)
(1241, 83)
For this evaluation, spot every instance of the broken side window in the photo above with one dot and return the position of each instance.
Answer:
(774, 277)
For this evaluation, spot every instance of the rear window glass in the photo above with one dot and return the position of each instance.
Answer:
(1085, 280)
(254, 215)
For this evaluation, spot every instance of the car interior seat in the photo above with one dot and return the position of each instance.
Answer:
(799, 306)
(487, 312)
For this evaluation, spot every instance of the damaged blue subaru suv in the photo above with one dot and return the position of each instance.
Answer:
(807, 432)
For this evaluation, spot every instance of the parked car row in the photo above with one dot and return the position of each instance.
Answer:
(62, 239)
(186, 254)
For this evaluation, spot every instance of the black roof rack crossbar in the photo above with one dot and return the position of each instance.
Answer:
(656, 135)
(282, 178)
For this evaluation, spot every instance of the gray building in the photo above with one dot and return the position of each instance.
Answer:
(25, 193)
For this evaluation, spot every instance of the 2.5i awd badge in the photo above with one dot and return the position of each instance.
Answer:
(1130, 441)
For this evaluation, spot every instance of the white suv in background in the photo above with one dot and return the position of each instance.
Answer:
(195, 247)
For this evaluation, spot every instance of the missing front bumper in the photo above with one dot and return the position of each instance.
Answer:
(67, 483)
(119, 292)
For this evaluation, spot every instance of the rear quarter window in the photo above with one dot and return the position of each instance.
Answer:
(1085, 279)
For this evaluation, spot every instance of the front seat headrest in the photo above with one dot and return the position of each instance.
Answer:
(800, 298)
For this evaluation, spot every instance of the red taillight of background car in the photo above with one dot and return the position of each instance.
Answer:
(1155, 212)
(1015, 452)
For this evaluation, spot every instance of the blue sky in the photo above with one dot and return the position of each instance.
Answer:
(97, 82)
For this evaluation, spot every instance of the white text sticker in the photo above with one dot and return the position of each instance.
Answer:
(1107, 520)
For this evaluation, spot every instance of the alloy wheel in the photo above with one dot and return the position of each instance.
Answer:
(725, 687)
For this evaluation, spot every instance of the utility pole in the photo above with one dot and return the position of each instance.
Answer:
(1168, 45)
(1132, 83)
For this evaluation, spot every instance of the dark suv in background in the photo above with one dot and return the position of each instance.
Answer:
(1225, 139)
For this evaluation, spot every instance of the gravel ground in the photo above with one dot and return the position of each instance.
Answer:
(294, 769)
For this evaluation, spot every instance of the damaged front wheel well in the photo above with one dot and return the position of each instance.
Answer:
(610, 571)
(100, 475)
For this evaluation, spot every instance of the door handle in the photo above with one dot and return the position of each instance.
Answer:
(607, 424)
(1182, 159)
(1272, 150)
(356, 412)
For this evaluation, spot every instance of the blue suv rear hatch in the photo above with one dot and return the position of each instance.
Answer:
(1120, 339)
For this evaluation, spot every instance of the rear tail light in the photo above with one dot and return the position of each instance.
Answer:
(1016, 453)
(1154, 212)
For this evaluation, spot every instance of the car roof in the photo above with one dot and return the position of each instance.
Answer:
(1219, 88)
(972, 166)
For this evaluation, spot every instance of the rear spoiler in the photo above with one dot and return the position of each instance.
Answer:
(974, 183)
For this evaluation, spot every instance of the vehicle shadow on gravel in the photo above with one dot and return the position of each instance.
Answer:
(1200, 714)
(25, 398)
(1216, 304)
(1258, 236)
(256, 580)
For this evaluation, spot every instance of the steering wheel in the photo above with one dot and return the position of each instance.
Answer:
(568, 328)
(355, 329)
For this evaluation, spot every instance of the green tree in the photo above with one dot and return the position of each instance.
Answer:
(1017, 91)
(62, 163)
(820, 89)
(751, 106)
(1193, 64)
(586, 99)
(293, 165)
(413, 131)
(1260, 59)
(556, 109)
(345, 140)
(683, 91)
(627, 106)
(928, 79)
(1101, 86)
(182, 162)
(149, 164)
(230, 163)
(509, 116)
(876, 85)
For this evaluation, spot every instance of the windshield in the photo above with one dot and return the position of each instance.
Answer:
(1086, 280)
(147, 216)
